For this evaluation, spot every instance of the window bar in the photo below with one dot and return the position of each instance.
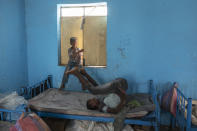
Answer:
(83, 22)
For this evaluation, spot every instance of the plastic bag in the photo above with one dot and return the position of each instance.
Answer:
(82, 125)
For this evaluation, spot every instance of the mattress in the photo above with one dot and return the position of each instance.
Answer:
(74, 103)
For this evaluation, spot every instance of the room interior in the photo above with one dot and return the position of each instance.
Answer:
(141, 41)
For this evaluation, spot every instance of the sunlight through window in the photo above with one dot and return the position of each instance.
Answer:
(84, 11)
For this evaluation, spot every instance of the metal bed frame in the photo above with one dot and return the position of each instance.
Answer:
(27, 92)
(152, 119)
(34, 90)
(183, 103)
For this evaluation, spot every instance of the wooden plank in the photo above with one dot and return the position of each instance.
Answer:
(69, 102)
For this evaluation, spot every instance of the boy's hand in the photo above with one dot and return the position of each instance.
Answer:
(82, 50)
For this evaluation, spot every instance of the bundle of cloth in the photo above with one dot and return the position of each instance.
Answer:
(169, 100)
(30, 122)
(83, 125)
(193, 115)
(12, 101)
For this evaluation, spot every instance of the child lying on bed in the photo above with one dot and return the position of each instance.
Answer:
(115, 91)
(112, 103)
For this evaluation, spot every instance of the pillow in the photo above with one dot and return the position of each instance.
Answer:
(169, 100)
(173, 102)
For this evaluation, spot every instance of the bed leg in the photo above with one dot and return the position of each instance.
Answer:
(157, 128)
(173, 120)
(189, 113)
(183, 129)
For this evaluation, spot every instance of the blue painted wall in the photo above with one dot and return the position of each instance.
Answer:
(13, 56)
(154, 39)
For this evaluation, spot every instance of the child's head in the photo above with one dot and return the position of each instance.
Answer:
(93, 104)
(73, 41)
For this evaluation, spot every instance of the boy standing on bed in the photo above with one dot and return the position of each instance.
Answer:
(75, 60)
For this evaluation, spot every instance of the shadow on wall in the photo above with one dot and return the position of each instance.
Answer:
(163, 87)
(143, 87)
(133, 86)
(96, 75)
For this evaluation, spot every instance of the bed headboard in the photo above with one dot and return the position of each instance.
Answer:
(33, 90)
(153, 92)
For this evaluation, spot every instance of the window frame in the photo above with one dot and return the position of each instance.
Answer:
(59, 14)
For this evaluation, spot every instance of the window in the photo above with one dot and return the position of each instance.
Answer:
(87, 22)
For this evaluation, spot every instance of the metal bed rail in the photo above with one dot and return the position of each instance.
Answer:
(32, 91)
(27, 92)
(5, 113)
(156, 102)
(183, 111)
(93, 118)
(151, 120)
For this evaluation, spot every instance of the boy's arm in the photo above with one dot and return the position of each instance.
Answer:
(82, 50)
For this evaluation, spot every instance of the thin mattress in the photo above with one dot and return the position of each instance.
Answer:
(74, 103)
